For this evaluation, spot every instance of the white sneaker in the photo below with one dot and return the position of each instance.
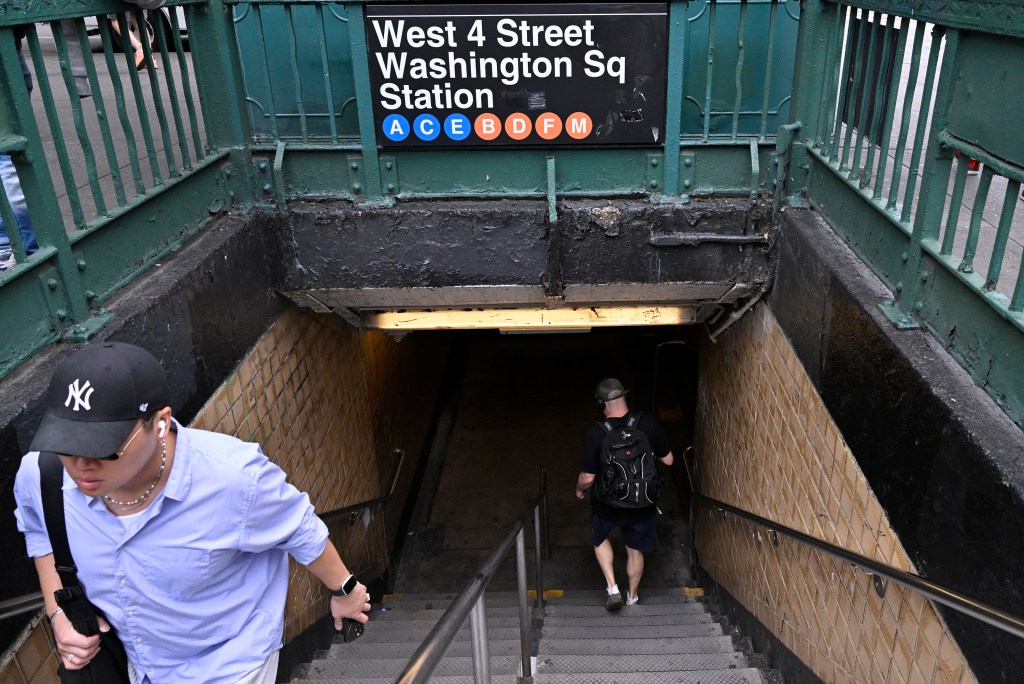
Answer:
(7, 262)
(632, 600)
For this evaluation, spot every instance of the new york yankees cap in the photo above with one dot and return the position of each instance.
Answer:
(610, 389)
(96, 396)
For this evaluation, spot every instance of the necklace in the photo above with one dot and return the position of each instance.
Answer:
(145, 495)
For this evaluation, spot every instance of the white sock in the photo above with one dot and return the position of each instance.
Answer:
(614, 589)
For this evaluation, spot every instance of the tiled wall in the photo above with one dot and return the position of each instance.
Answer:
(330, 405)
(35, 661)
(766, 444)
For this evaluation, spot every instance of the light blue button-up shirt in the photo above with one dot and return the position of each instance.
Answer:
(195, 586)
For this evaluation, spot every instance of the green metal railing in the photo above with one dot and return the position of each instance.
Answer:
(118, 166)
(895, 100)
(268, 101)
(308, 92)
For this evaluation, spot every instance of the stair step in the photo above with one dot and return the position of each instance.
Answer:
(647, 596)
(442, 596)
(396, 613)
(644, 591)
(446, 679)
(417, 635)
(347, 668)
(620, 618)
(633, 633)
(401, 625)
(642, 609)
(359, 649)
(650, 646)
(739, 676)
(638, 663)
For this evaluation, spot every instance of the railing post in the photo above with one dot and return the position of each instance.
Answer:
(524, 610)
(364, 100)
(676, 74)
(544, 512)
(18, 119)
(481, 652)
(935, 176)
(221, 86)
(813, 67)
(538, 553)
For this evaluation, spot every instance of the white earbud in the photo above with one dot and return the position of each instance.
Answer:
(163, 428)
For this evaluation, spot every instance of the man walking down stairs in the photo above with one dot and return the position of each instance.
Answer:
(667, 638)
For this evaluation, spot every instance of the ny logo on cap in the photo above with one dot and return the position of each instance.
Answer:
(75, 392)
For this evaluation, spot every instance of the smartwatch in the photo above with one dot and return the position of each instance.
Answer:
(347, 587)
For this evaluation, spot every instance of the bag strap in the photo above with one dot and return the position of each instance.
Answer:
(51, 479)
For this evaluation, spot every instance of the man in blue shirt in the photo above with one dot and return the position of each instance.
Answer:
(181, 536)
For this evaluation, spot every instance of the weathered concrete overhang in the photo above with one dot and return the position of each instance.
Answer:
(709, 256)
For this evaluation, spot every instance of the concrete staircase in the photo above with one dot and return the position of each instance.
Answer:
(667, 638)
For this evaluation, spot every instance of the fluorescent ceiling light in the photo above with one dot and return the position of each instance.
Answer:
(530, 319)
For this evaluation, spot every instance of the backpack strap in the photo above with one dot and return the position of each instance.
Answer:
(51, 479)
(605, 425)
(71, 597)
(634, 418)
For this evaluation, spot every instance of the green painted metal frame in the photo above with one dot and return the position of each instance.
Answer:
(1000, 17)
(310, 169)
(76, 272)
(809, 161)
(58, 293)
(905, 246)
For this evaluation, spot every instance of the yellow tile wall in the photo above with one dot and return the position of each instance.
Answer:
(35, 660)
(766, 443)
(330, 405)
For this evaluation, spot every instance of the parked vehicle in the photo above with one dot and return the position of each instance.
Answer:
(154, 19)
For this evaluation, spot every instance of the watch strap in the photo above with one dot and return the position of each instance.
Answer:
(347, 587)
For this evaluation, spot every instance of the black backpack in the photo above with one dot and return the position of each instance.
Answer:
(628, 476)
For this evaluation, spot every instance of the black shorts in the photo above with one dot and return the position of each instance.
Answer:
(639, 535)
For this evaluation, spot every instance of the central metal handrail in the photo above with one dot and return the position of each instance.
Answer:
(470, 603)
(947, 596)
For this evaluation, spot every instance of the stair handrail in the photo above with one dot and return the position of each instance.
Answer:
(27, 603)
(356, 507)
(470, 603)
(935, 591)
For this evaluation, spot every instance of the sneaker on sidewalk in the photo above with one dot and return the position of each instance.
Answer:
(7, 261)
(614, 602)
(973, 167)
(632, 600)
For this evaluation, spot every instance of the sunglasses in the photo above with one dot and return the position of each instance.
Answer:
(117, 454)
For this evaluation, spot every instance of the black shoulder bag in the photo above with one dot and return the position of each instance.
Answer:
(110, 666)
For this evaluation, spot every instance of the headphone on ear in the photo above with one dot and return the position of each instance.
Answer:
(163, 428)
(597, 395)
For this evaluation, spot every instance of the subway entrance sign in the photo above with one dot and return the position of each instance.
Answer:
(517, 75)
